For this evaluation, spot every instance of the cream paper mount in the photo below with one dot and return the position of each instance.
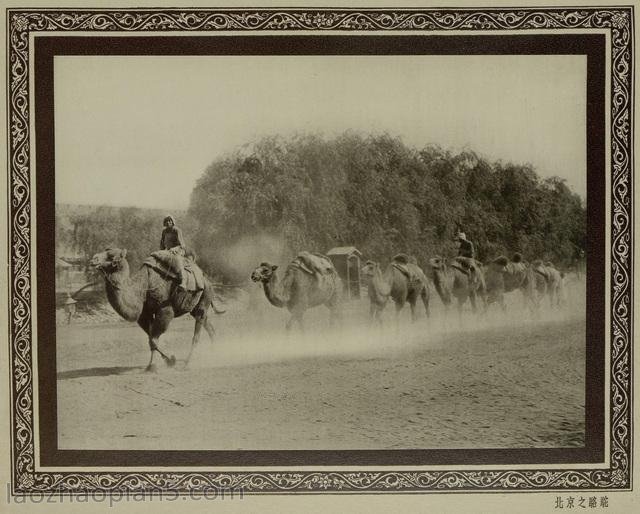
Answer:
(22, 23)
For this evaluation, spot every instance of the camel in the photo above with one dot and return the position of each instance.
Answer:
(152, 300)
(451, 279)
(553, 281)
(402, 281)
(504, 276)
(302, 287)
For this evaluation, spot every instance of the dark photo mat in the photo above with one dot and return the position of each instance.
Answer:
(591, 45)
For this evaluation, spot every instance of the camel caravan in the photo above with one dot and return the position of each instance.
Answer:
(169, 284)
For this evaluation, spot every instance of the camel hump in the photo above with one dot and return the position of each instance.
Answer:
(539, 267)
(314, 263)
(417, 272)
(412, 271)
(401, 258)
(466, 265)
(173, 266)
(402, 268)
(164, 262)
(517, 267)
(501, 260)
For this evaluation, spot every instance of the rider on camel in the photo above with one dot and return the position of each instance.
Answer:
(466, 252)
(173, 241)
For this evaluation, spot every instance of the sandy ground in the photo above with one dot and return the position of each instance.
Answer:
(493, 381)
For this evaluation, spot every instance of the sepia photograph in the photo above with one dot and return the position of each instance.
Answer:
(320, 250)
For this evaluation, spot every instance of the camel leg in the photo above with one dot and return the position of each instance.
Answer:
(196, 338)
(414, 314)
(159, 325)
(289, 323)
(472, 299)
(425, 300)
(412, 299)
(461, 300)
(296, 317)
(208, 326)
(202, 320)
(334, 315)
(145, 320)
(375, 313)
(399, 305)
(151, 367)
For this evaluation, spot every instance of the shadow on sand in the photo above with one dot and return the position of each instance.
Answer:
(99, 372)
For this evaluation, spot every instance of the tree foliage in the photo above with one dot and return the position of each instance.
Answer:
(84, 231)
(378, 194)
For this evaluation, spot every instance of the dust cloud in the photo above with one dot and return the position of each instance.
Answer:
(253, 331)
(243, 256)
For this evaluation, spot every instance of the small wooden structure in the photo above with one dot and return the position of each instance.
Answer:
(346, 260)
(71, 281)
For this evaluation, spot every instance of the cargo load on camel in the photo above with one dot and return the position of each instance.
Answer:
(168, 264)
(315, 264)
(191, 283)
(402, 262)
(466, 265)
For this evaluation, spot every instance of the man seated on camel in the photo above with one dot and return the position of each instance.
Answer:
(173, 241)
(466, 252)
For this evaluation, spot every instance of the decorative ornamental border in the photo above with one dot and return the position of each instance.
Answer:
(617, 20)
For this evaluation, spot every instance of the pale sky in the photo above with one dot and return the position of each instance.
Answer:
(140, 131)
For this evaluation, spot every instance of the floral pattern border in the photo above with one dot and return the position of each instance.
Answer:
(23, 22)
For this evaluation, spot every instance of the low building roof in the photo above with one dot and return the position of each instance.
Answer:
(344, 250)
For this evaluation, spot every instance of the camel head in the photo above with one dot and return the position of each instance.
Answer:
(112, 259)
(499, 264)
(437, 271)
(369, 269)
(537, 263)
(437, 264)
(264, 272)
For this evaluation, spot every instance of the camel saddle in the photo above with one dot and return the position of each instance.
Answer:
(166, 263)
(314, 263)
(516, 267)
(409, 271)
(541, 269)
(466, 265)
